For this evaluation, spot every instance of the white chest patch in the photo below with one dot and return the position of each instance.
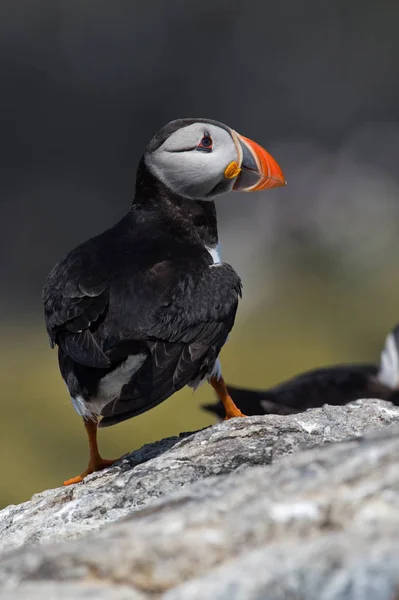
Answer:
(215, 254)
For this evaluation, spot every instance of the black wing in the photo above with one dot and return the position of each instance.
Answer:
(336, 385)
(184, 334)
(75, 300)
(178, 311)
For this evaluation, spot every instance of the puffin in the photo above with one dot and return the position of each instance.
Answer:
(144, 308)
(336, 385)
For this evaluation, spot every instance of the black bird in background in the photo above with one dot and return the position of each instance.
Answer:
(144, 309)
(337, 385)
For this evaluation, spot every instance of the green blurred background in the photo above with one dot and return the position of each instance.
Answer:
(84, 87)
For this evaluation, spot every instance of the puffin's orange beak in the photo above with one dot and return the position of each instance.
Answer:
(258, 169)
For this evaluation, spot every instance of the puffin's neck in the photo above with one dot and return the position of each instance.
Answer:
(153, 197)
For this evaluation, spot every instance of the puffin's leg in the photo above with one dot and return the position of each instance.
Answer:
(231, 409)
(96, 462)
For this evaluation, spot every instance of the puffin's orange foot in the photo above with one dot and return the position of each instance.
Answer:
(233, 414)
(220, 388)
(99, 465)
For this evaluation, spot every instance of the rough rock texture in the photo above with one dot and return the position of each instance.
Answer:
(264, 507)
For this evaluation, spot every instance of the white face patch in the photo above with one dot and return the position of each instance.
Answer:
(191, 173)
(389, 364)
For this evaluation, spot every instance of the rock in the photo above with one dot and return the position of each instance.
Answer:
(61, 591)
(158, 469)
(280, 507)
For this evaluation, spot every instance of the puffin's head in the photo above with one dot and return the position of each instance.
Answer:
(201, 159)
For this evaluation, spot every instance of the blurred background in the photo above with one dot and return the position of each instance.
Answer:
(84, 87)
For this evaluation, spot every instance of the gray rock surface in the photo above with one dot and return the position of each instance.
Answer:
(278, 507)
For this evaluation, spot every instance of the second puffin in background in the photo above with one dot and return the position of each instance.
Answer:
(337, 385)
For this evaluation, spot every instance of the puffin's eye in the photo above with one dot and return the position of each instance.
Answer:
(206, 143)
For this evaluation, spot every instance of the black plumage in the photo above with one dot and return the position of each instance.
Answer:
(142, 287)
(336, 385)
(144, 309)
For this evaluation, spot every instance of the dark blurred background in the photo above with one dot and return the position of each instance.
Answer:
(85, 85)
